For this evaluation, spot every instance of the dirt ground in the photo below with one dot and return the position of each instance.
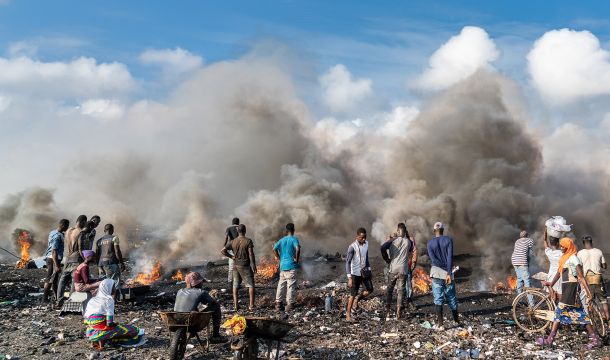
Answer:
(30, 330)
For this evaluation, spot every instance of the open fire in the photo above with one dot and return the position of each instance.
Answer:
(422, 282)
(178, 276)
(25, 242)
(509, 285)
(147, 278)
(267, 269)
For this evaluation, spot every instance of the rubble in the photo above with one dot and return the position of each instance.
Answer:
(33, 331)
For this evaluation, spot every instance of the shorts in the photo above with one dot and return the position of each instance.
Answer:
(598, 291)
(243, 273)
(50, 278)
(357, 281)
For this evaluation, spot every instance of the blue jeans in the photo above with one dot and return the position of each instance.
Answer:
(523, 279)
(442, 291)
(409, 285)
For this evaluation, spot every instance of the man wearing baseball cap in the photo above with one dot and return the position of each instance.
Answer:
(188, 299)
(440, 251)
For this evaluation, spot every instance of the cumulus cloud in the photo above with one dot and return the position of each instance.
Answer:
(104, 109)
(79, 78)
(566, 65)
(340, 91)
(173, 62)
(458, 58)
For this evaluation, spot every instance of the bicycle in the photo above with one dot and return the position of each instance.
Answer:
(540, 315)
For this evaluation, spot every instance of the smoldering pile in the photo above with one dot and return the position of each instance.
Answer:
(250, 148)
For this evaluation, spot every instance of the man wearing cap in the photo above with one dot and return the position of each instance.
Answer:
(522, 253)
(593, 265)
(440, 251)
(188, 299)
(80, 277)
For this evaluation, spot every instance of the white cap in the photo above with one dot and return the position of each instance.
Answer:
(438, 225)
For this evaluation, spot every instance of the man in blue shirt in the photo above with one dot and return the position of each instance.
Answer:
(288, 250)
(53, 257)
(440, 251)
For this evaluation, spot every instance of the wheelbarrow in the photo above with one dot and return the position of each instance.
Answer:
(183, 326)
(266, 329)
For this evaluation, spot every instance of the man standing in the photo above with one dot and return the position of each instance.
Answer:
(245, 264)
(110, 257)
(409, 281)
(188, 300)
(53, 257)
(396, 252)
(74, 244)
(288, 250)
(230, 234)
(358, 271)
(440, 251)
(522, 253)
(593, 264)
(89, 238)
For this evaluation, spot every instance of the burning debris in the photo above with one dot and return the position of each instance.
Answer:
(510, 285)
(268, 269)
(178, 276)
(422, 283)
(148, 278)
(24, 241)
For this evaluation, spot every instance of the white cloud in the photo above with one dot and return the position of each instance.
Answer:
(566, 65)
(341, 92)
(104, 109)
(397, 122)
(5, 102)
(174, 62)
(79, 78)
(458, 58)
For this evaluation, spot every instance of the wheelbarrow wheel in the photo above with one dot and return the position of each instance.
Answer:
(177, 347)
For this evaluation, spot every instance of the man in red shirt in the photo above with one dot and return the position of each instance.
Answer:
(80, 276)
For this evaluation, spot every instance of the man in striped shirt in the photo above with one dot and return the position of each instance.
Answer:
(522, 254)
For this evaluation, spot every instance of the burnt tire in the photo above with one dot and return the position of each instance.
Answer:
(177, 346)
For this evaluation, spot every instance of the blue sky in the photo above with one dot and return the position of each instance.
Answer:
(326, 32)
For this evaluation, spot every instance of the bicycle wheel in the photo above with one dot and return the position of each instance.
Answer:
(525, 315)
(597, 320)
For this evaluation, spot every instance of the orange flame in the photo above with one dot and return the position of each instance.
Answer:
(512, 282)
(422, 283)
(148, 278)
(500, 286)
(25, 243)
(267, 269)
(178, 276)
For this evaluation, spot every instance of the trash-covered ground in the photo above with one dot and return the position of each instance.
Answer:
(30, 330)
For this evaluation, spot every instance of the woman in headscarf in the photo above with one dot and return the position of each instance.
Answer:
(99, 318)
(570, 311)
(80, 276)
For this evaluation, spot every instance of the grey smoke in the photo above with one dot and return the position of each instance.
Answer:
(236, 139)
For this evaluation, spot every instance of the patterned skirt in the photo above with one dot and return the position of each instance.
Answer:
(98, 330)
(571, 314)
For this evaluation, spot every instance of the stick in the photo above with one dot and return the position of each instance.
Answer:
(18, 257)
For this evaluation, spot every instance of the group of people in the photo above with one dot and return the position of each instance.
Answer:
(81, 252)
(400, 253)
(242, 264)
(573, 280)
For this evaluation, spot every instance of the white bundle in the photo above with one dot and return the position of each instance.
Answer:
(556, 226)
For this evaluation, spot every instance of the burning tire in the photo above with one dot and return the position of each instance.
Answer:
(177, 347)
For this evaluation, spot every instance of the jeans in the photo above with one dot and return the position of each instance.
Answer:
(395, 279)
(65, 279)
(287, 283)
(523, 279)
(442, 291)
(409, 285)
